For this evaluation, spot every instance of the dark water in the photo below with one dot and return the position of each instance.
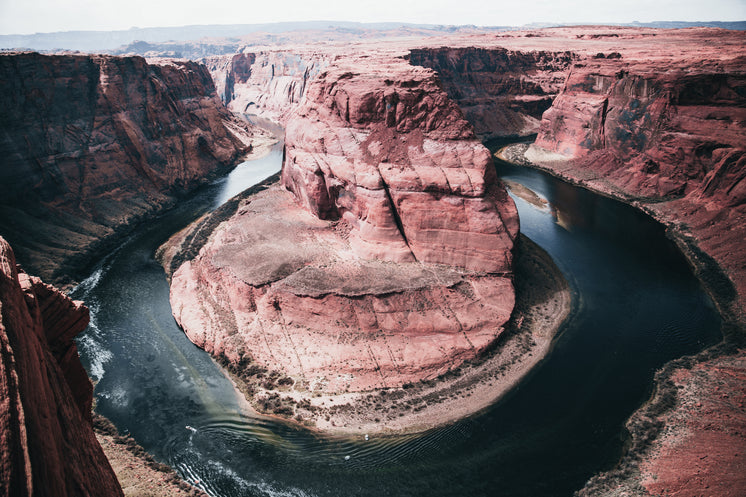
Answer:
(638, 306)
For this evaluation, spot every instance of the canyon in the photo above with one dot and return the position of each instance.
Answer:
(655, 118)
(388, 203)
(92, 145)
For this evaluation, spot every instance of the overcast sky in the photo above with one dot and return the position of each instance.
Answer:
(32, 16)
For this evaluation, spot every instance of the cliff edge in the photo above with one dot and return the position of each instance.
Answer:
(47, 443)
(91, 144)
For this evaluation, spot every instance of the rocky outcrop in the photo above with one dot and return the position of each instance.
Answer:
(47, 443)
(671, 140)
(268, 84)
(385, 149)
(92, 144)
(277, 288)
(501, 92)
(655, 133)
(386, 261)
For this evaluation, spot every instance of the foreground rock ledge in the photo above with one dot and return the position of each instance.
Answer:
(47, 444)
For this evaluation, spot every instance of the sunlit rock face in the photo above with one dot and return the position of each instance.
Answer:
(657, 133)
(385, 149)
(670, 133)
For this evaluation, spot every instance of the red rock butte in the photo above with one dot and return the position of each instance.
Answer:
(388, 258)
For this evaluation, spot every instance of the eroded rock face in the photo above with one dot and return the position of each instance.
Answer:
(47, 444)
(388, 258)
(670, 135)
(628, 128)
(91, 144)
(277, 287)
(656, 133)
(386, 150)
(268, 84)
(501, 92)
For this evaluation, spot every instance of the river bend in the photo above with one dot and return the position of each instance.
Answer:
(637, 306)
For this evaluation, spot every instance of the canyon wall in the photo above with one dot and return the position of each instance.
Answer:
(655, 133)
(92, 144)
(501, 92)
(47, 444)
(666, 130)
(268, 84)
(673, 140)
(386, 260)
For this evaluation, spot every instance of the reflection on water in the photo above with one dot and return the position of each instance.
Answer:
(253, 171)
(248, 173)
(638, 306)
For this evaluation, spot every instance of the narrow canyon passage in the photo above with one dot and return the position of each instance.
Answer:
(637, 307)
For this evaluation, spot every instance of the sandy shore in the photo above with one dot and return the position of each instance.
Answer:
(543, 302)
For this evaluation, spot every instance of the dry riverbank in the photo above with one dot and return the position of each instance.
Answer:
(138, 473)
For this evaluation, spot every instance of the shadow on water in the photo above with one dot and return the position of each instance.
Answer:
(639, 307)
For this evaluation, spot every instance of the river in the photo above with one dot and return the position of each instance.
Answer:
(637, 307)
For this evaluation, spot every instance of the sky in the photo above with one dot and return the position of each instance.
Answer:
(39, 16)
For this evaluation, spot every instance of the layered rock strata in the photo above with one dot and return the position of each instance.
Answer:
(47, 443)
(279, 288)
(386, 260)
(651, 132)
(388, 152)
(269, 84)
(91, 144)
(672, 141)
(501, 92)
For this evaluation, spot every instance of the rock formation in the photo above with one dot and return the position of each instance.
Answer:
(92, 144)
(385, 149)
(673, 140)
(269, 84)
(388, 258)
(501, 92)
(655, 133)
(47, 444)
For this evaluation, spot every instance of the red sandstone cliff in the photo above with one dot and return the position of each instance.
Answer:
(47, 444)
(673, 140)
(388, 262)
(501, 92)
(670, 135)
(385, 149)
(655, 133)
(91, 144)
